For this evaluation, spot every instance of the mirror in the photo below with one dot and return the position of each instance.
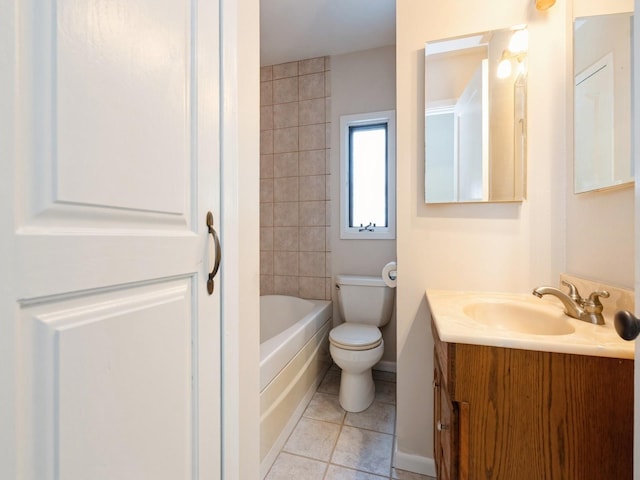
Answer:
(475, 117)
(602, 101)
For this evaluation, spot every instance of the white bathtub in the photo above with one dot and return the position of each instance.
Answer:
(294, 355)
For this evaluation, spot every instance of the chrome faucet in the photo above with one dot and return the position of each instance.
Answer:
(588, 310)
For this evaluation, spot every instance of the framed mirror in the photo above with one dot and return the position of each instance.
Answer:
(602, 101)
(475, 117)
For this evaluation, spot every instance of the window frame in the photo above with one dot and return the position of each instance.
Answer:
(362, 120)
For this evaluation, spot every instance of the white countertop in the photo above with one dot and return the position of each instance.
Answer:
(453, 325)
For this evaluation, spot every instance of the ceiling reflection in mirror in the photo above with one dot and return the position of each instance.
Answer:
(602, 101)
(475, 117)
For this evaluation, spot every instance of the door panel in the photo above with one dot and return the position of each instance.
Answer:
(99, 358)
(115, 369)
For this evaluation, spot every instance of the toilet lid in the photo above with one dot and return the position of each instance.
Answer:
(355, 336)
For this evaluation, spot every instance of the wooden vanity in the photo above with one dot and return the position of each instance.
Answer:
(516, 414)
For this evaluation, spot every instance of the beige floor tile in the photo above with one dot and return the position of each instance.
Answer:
(313, 438)
(336, 472)
(364, 450)
(325, 407)
(288, 467)
(330, 383)
(385, 392)
(380, 417)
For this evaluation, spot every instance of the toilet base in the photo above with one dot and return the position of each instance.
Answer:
(357, 391)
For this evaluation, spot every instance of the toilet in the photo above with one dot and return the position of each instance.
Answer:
(356, 346)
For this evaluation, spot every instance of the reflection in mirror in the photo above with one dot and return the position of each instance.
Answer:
(602, 101)
(475, 117)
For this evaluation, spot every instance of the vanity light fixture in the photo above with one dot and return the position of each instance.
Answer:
(544, 4)
(517, 50)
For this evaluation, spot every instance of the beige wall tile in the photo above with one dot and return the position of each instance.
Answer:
(312, 288)
(312, 213)
(285, 90)
(266, 117)
(285, 140)
(312, 239)
(312, 162)
(327, 84)
(312, 264)
(266, 93)
(285, 115)
(285, 239)
(266, 263)
(327, 267)
(285, 214)
(285, 263)
(327, 63)
(266, 73)
(285, 189)
(312, 111)
(266, 142)
(327, 192)
(328, 212)
(286, 285)
(312, 137)
(312, 187)
(266, 214)
(311, 86)
(328, 161)
(327, 243)
(266, 285)
(285, 164)
(327, 131)
(311, 65)
(266, 238)
(266, 166)
(284, 70)
(266, 190)
(328, 288)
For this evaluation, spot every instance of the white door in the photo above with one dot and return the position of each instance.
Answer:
(109, 340)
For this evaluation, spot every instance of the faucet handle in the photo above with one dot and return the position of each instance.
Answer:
(573, 291)
(592, 304)
(594, 297)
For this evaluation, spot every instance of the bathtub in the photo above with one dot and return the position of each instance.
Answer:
(294, 355)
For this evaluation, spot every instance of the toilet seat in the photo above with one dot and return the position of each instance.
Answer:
(355, 336)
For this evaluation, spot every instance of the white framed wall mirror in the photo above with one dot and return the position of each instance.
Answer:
(475, 117)
(602, 69)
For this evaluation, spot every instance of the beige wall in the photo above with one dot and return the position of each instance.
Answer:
(360, 82)
(294, 202)
(508, 247)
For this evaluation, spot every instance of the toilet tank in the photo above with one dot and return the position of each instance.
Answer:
(363, 299)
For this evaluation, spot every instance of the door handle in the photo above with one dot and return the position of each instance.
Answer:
(216, 243)
(627, 325)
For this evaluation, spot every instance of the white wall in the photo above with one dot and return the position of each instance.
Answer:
(360, 82)
(508, 247)
(600, 225)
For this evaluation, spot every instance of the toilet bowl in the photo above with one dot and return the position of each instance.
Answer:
(356, 346)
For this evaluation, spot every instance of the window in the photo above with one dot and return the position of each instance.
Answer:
(367, 159)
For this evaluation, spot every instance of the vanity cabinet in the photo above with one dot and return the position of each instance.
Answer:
(505, 414)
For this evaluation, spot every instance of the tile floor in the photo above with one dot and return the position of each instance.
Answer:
(331, 444)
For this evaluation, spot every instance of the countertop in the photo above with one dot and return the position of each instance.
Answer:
(453, 325)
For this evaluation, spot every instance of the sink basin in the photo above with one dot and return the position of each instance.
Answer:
(521, 317)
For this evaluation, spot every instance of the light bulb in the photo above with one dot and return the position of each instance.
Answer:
(504, 68)
(519, 42)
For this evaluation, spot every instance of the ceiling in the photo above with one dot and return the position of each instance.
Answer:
(299, 29)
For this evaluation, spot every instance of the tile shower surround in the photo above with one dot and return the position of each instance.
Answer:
(294, 179)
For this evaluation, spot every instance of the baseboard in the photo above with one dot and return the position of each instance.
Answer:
(386, 366)
(413, 463)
